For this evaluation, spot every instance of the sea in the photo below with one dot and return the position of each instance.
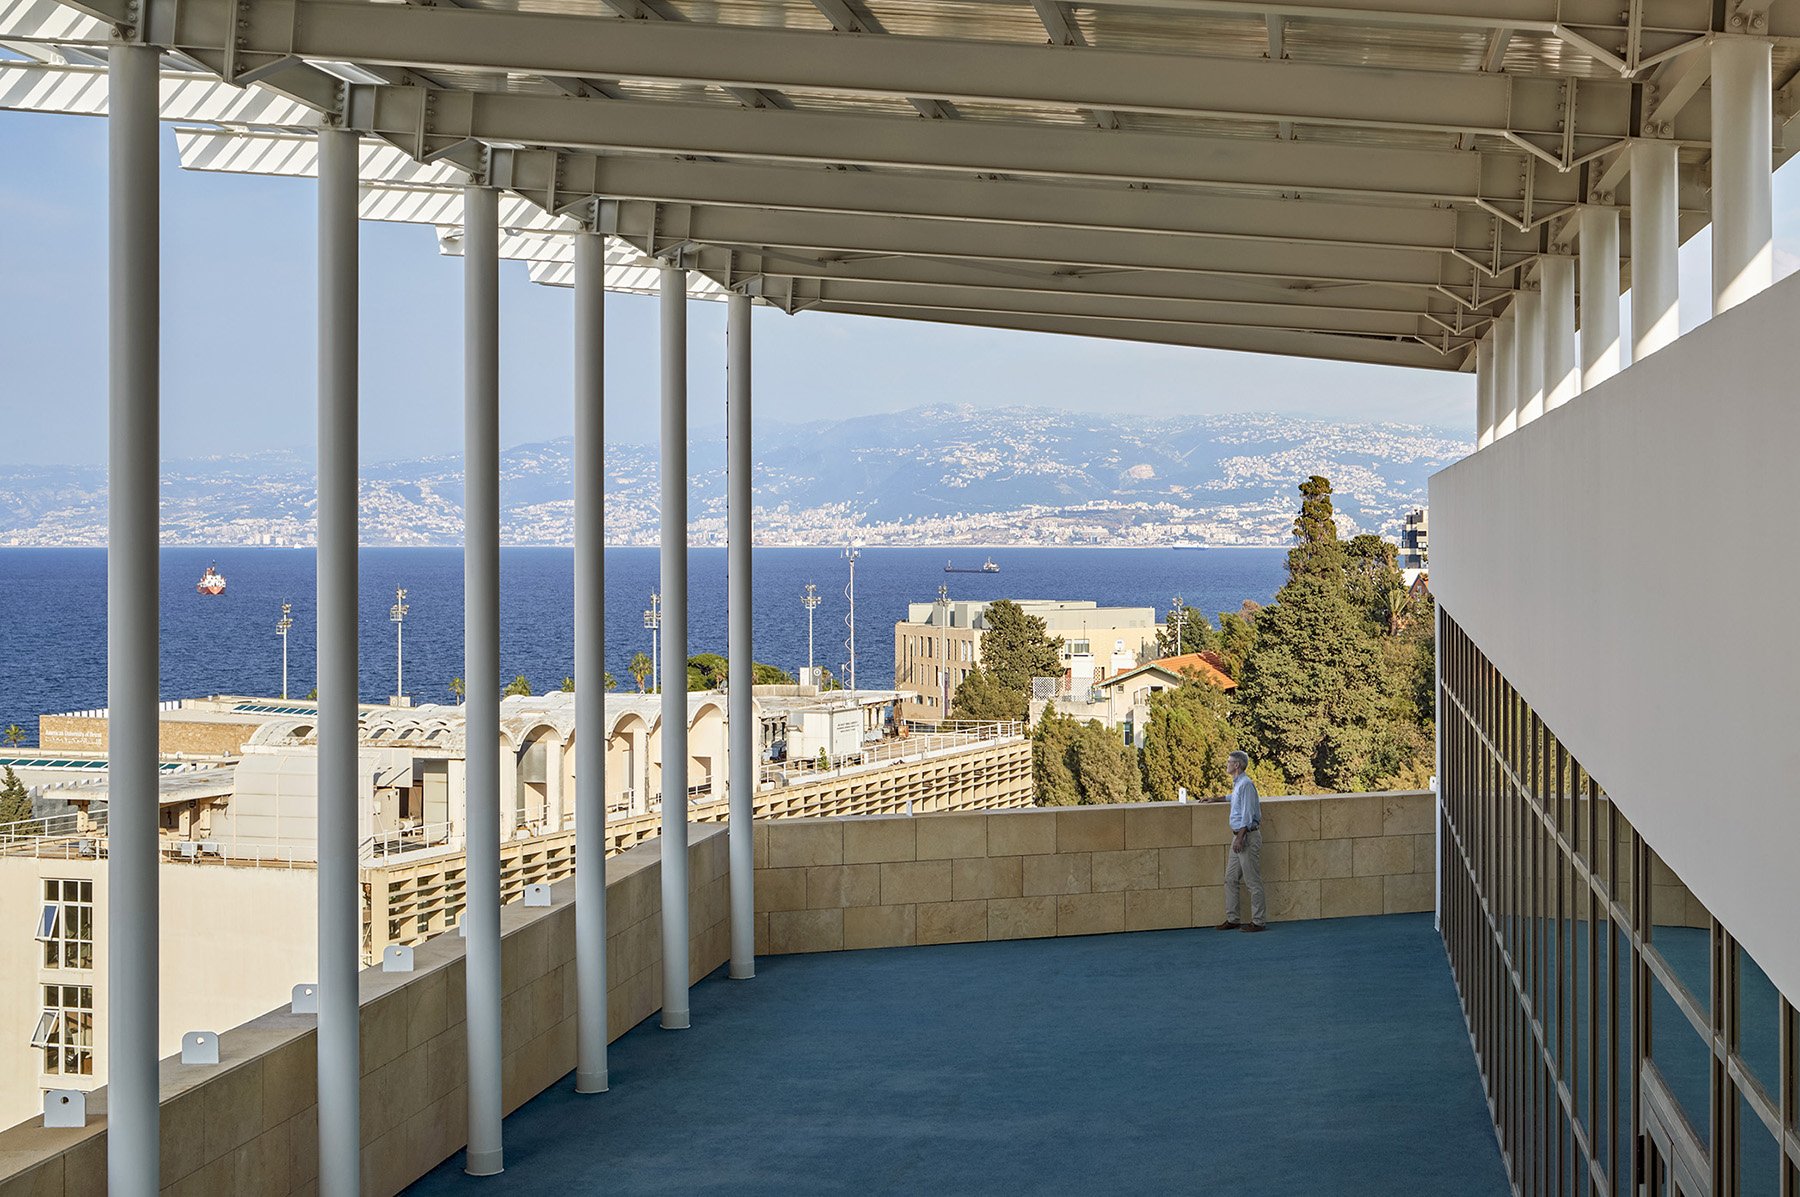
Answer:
(53, 611)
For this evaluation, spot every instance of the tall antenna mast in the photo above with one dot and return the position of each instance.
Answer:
(810, 600)
(850, 555)
(281, 629)
(653, 621)
(1175, 610)
(397, 613)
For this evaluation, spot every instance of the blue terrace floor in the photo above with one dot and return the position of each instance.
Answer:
(1323, 1057)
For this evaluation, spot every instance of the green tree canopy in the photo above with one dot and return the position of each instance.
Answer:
(1317, 551)
(1015, 647)
(13, 735)
(568, 685)
(1371, 575)
(764, 674)
(706, 671)
(611, 682)
(980, 696)
(1082, 764)
(457, 690)
(1236, 635)
(1186, 742)
(15, 803)
(640, 668)
(518, 687)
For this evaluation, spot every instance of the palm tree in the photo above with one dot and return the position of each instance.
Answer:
(612, 683)
(457, 690)
(640, 669)
(568, 685)
(518, 686)
(14, 735)
(1399, 605)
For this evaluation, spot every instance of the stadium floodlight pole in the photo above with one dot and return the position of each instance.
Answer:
(133, 1114)
(1175, 611)
(281, 629)
(397, 613)
(809, 600)
(943, 606)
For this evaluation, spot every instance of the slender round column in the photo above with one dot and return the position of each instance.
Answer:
(674, 649)
(133, 623)
(741, 714)
(1484, 391)
(1743, 223)
(1655, 240)
(590, 664)
(1506, 370)
(1599, 268)
(481, 669)
(339, 732)
(1528, 359)
(1557, 314)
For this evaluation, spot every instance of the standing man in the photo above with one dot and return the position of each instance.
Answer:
(1245, 858)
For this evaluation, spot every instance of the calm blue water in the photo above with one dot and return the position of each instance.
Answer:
(53, 611)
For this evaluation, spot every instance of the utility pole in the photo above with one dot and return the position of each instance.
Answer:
(1175, 610)
(809, 600)
(943, 607)
(397, 613)
(850, 555)
(653, 621)
(281, 629)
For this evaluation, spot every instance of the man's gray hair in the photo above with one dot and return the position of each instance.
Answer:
(1242, 760)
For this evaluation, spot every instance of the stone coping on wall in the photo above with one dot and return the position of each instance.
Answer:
(884, 881)
(249, 1124)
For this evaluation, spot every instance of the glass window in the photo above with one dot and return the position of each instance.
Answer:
(47, 922)
(65, 1030)
(1681, 930)
(1759, 1025)
(66, 924)
(1682, 1057)
(1758, 1155)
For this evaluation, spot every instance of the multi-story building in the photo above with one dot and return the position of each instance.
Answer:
(937, 644)
(1415, 545)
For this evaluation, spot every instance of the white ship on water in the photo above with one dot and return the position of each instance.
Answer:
(212, 581)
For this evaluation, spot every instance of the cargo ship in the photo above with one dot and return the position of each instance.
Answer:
(986, 567)
(211, 582)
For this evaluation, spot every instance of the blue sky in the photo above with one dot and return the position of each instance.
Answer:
(238, 334)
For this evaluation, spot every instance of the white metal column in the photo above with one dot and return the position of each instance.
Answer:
(1528, 356)
(481, 668)
(133, 622)
(1743, 228)
(674, 649)
(1556, 313)
(339, 734)
(1599, 265)
(1484, 391)
(742, 718)
(1506, 372)
(1655, 241)
(590, 663)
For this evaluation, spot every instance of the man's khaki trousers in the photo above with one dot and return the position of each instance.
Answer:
(1248, 865)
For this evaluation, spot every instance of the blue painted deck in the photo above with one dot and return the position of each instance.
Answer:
(1324, 1057)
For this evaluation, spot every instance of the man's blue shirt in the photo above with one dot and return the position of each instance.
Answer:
(1246, 804)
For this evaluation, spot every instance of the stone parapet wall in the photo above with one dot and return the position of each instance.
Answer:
(250, 1124)
(830, 884)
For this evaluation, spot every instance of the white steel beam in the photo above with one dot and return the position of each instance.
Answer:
(1599, 269)
(954, 70)
(1655, 242)
(1506, 372)
(429, 121)
(1528, 357)
(1484, 392)
(740, 676)
(1562, 377)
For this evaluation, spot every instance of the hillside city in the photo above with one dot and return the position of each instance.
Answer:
(935, 476)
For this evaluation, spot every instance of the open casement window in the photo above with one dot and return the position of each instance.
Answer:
(48, 922)
(49, 1030)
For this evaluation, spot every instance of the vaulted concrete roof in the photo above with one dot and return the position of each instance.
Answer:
(1363, 181)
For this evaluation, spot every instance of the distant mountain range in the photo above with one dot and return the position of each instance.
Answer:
(934, 475)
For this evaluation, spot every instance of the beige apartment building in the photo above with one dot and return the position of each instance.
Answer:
(937, 644)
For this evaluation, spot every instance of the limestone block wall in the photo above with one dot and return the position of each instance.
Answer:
(829, 884)
(249, 1125)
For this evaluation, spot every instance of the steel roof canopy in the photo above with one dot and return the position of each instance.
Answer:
(1328, 178)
